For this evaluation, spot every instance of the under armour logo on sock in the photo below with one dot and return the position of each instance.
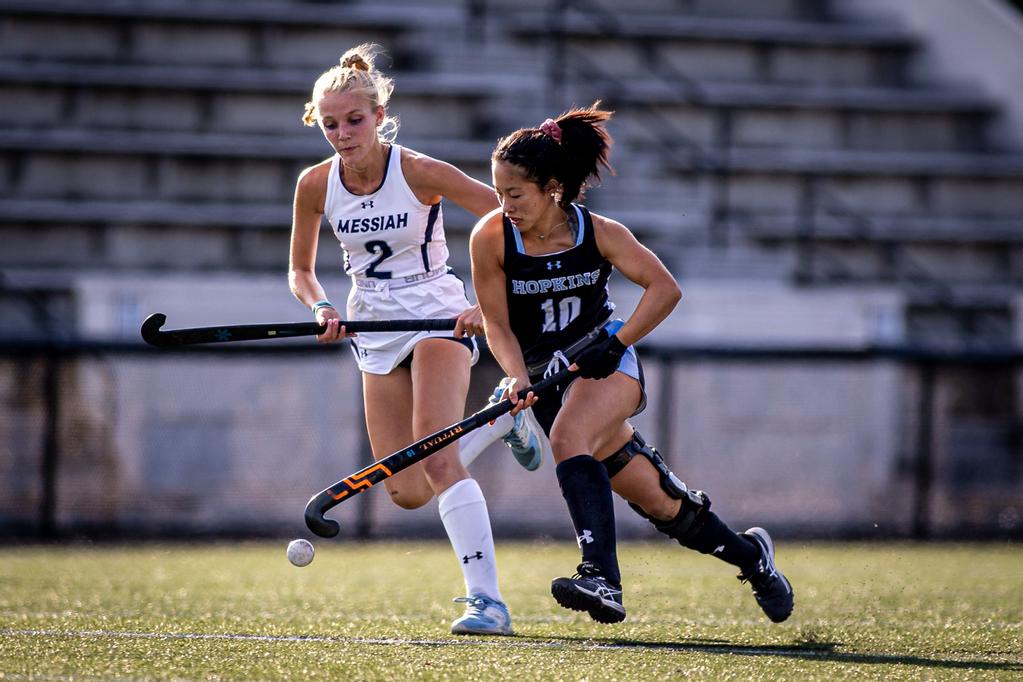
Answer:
(477, 555)
(587, 536)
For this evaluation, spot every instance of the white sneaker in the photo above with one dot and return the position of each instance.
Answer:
(483, 616)
(524, 438)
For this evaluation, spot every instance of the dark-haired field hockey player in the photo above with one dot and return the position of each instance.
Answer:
(541, 265)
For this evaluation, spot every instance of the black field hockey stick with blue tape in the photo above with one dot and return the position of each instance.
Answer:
(154, 336)
(365, 478)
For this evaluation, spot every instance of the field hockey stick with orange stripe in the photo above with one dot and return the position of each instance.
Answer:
(152, 334)
(366, 478)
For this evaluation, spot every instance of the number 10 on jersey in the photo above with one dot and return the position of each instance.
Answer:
(568, 309)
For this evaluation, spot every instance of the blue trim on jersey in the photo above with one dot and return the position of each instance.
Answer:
(518, 240)
(578, 238)
(581, 223)
(424, 248)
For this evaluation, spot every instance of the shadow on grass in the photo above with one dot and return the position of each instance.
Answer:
(815, 650)
(811, 648)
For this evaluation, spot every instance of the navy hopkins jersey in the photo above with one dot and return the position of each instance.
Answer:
(556, 298)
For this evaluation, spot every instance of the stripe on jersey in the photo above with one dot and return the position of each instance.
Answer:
(424, 249)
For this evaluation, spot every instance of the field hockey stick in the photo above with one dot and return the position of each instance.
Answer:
(367, 477)
(152, 334)
(350, 486)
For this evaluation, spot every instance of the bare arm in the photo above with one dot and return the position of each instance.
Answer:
(431, 179)
(310, 193)
(642, 267)
(486, 247)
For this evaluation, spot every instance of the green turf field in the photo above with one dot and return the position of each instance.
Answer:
(381, 611)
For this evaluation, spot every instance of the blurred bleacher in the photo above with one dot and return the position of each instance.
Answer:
(774, 140)
(784, 155)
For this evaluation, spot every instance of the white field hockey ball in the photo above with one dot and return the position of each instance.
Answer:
(300, 552)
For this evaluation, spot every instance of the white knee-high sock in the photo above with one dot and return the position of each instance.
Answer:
(472, 444)
(463, 510)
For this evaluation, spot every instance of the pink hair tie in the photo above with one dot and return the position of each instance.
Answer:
(551, 129)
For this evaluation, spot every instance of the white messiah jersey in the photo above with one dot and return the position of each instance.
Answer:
(387, 234)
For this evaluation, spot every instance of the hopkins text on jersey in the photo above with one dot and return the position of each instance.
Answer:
(566, 283)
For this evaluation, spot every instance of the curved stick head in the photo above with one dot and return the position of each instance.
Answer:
(315, 521)
(151, 328)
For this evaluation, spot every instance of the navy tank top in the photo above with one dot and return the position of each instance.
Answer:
(557, 298)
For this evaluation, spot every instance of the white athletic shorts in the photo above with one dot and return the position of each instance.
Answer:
(438, 294)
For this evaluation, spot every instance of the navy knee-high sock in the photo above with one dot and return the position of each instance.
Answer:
(715, 538)
(587, 491)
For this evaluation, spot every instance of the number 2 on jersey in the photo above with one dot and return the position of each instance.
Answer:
(378, 246)
(568, 309)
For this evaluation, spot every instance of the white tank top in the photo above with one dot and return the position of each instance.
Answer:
(388, 233)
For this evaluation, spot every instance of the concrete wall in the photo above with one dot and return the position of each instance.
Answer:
(752, 313)
(219, 443)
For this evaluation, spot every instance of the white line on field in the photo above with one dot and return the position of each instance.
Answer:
(500, 642)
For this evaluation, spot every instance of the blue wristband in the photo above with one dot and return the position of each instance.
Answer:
(321, 304)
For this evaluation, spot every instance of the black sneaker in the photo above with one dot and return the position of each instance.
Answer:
(589, 591)
(771, 589)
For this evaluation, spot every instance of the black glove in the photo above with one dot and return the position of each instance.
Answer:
(600, 359)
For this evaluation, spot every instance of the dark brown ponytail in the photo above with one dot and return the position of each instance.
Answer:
(571, 150)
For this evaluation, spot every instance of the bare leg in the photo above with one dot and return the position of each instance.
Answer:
(388, 404)
(593, 416)
(440, 383)
(406, 405)
(440, 380)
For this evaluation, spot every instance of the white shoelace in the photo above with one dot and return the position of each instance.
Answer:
(554, 366)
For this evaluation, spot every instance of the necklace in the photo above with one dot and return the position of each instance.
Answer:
(542, 237)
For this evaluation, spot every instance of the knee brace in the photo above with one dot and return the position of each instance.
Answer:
(689, 520)
(695, 503)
